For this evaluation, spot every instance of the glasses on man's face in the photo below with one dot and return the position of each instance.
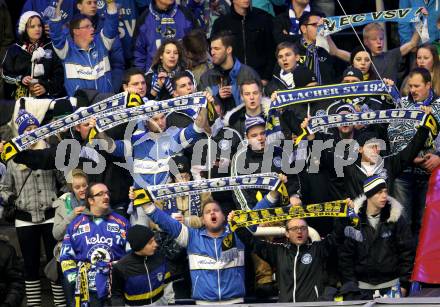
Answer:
(101, 194)
(89, 26)
(297, 228)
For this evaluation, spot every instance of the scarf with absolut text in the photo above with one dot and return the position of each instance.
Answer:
(333, 91)
(267, 181)
(245, 218)
(111, 104)
(335, 24)
(317, 123)
(147, 110)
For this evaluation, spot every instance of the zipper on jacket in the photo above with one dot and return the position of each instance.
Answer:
(316, 290)
(149, 281)
(195, 285)
(244, 38)
(218, 271)
(294, 274)
(91, 66)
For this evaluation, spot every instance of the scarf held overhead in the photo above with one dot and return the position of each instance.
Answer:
(151, 108)
(335, 24)
(245, 218)
(333, 91)
(267, 181)
(24, 141)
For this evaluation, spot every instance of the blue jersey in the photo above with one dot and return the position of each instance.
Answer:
(97, 241)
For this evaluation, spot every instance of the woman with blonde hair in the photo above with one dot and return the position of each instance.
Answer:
(426, 57)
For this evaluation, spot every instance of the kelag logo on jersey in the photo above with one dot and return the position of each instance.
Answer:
(99, 240)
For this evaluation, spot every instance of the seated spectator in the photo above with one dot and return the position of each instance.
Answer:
(33, 192)
(93, 240)
(369, 259)
(116, 55)
(224, 79)
(31, 67)
(286, 25)
(168, 60)
(85, 55)
(11, 275)
(139, 278)
(426, 57)
(386, 62)
(253, 44)
(253, 105)
(360, 58)
(161, 21)
(197, 53)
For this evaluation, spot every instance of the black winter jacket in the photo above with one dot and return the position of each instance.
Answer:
(300, 269)
(381, 255)
(17, 64)
(11, 276)
(253, 45)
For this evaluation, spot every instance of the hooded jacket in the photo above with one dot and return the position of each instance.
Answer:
(378, 255)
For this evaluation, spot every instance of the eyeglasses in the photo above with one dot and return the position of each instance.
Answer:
(101, 194)
(315, 24)
(296, 228)
(90, 26)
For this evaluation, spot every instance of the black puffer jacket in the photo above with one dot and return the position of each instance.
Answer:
(381, 255)
(17, 65)
(300, 269)
(11, 276)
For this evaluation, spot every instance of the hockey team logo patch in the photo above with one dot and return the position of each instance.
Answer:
(306, 258)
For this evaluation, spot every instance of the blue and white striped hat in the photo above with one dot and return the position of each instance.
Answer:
(373, 184)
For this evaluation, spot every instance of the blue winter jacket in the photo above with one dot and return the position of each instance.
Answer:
(152, 152)
(217, 272)
(86, 69)
(406, 30)
(147, 39)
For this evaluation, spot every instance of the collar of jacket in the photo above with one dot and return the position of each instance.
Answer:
(390, 213)
(204, 232)
(235, 15)
(90, 214)
(233, 72)
(171, 11)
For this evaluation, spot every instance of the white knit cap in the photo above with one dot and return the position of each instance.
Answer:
(24, 19)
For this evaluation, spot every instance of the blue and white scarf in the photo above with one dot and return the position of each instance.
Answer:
(337, 23)
(333, 91)
(111, 104)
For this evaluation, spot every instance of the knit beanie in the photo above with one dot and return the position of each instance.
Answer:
(24, 19)
(373, 184)
(25, 120)
(138, 236)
